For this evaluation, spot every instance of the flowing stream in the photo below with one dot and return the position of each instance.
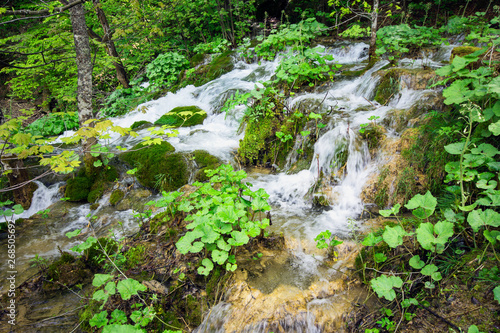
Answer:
(349, 102)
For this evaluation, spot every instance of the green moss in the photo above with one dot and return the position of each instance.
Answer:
(135, 256)
(4, 196)
(197, 59)
(158, 167)
(78, 188)
(373, 134)
(140, 123)
(220, 65)
(256, 147)
(194, 313)
(205, 161)
(116, 196)
(95, 195)
(183, 116)
(388, 86)
(462, 51)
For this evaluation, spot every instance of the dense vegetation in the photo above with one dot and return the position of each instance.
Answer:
(451, 236)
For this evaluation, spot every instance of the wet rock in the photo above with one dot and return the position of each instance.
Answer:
(183, 116)
(134, 200)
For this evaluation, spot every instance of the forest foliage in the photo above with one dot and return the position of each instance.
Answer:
(157, 42)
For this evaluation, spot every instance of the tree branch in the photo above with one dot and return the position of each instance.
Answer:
(26, 12)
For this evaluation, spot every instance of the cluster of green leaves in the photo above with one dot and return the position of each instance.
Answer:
(165, 69)
(299, 34)
(396, 40)
(307, 66)
(122, 100)
(355, 31)
(54, 124)
(324, 240)
(108, 286)
(473, 177)
(223, 214)
(476, 28)
(218, 45)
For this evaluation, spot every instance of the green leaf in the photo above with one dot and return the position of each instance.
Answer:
(379, 257)
(18, 209)
(99, 319)
(388, 212)
(383, 286)
(74, 233)
(423, 205)
(129, 287)
(371, 240)
(455, 148)
(393, 236)
(238, 238)
(425, 235)
(429, 269)
(436, 276)
(496, 293)
(206, 268)
(98, 163)
(101, 279)
(479, 218)
(219, 257)
(491, 236)
(495, 128)
(118, 317)
(416, 263)
(458, 63)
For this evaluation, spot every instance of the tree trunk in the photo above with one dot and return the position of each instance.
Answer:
(121, 74)
(84, 67)
(373, 38)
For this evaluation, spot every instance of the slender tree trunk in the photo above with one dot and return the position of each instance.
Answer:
(373, 38)
(121, 74)
(84, 67)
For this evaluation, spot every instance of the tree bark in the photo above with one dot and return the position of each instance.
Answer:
(84, 67)
(121, 74)
(373, 38)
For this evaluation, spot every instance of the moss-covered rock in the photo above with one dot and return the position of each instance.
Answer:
(204, 161)
(78, 188)
(116, 196)
(462, 51)
(183, 116)
(140, 124)
(256, 148)
(65, 272)
(219, 65)
(389, 85)
(158, 167)
(373, 134)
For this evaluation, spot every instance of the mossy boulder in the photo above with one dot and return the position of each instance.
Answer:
(183, 116)
(204, 161)
(462, 51)
(219, 65)
(256, 148)
(389, 85)
(65, 272)
(78, 188)
(158, 167)
(116, 196)
(140, 124)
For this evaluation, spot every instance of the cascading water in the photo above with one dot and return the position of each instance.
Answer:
(302, 277)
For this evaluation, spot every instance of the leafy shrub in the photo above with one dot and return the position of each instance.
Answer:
(164, 70)
(54, 124)
(218, 45)
(399, 39)
(355, 31)
(223, 213)
(296, 34)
